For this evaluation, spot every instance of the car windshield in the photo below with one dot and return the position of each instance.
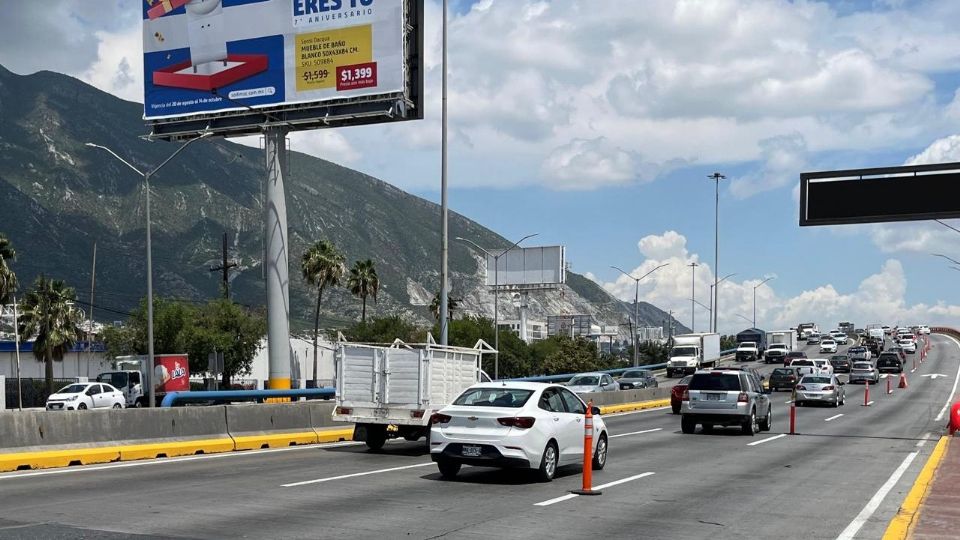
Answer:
(749, 344)
(684, 351)
(715, 381)
(815, 380)
(494, 397)
(803, 363)
(863, 366)
(839, 357)
(797, 354)
(72, 389)
(633, 375)
(783, 371)
(586, 380)
(117, 379)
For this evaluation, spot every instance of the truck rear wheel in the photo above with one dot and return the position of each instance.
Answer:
(375, 436)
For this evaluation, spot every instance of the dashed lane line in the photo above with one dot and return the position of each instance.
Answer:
(635, 433)
(354, 475)
(595, 488)
(768, 439)
(832, 418)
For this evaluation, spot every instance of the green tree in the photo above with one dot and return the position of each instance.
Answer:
(225, 327)
(363, 282)
(8, 279)
(384, 330)
(572, 356)
(321, 265)
(49, 317)
(452, 305)
(172, 320)
(516, 357)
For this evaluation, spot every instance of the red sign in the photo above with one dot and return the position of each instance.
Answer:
(171, 373)
(357, 76)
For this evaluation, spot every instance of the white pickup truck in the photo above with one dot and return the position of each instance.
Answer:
(389, 392)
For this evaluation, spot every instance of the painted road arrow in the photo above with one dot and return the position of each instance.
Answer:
(934, 375)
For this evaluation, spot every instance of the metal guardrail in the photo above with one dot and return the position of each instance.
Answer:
(245, 395)
(618, 371)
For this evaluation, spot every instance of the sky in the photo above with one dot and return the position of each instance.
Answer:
(596, 124)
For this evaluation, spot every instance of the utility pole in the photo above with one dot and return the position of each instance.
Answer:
(693, 294)
(93, 282)
(716, 177)
(225, 267)
(444, 225)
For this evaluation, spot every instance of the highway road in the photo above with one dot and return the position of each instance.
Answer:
(843, 476)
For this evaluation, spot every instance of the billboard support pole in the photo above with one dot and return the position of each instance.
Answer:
(276, 264)
(444, 230)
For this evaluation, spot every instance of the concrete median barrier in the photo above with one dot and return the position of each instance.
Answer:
(327, 430)
(270, 425)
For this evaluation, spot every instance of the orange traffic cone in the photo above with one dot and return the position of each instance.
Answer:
(903, 380)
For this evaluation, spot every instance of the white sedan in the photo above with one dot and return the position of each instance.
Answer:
(828, 346)
(908, 345)
(82, 396)
(515, 424)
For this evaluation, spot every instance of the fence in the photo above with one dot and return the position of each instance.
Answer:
(34, 391)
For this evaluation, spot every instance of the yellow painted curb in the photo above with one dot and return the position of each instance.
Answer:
(901, 526)
(58, 458)
(175, 448)
(274, 440)
(334, 435)
(635, 406)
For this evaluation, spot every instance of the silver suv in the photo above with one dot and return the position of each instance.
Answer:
(726, 398)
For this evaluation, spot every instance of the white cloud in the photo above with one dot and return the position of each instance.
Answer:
(783, 158)
(880, 297)
(118, 68)
(586, 164)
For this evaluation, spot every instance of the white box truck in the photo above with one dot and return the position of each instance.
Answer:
(786, 337)
(389, 392)
(691, 352)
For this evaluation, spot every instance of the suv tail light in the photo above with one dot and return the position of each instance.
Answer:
(828, 388)
(437, 418)
(743, 398)
(522, 422)
(685, 396)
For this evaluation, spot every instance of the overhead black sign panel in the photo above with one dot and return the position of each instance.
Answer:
(910, 193)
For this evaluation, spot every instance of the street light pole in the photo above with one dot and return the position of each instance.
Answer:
(148, 369)
(693, 294)
(715, 296)
(636, 307)
(444, 227)
(16, 341)
(496, 296)
(755, 300)
(716, 286)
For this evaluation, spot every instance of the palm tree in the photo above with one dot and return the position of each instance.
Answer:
(321, 265)
(48, 315)
(363, 282)
(452, 305)
(8, 279)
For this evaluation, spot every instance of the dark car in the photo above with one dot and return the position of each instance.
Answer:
(783, 378)
(899, 350)
(889, 363)
(840, 363)
(791, 356)
(875, 346)
(676, 394)
(637, 378)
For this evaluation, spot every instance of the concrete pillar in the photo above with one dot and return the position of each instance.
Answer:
(276, 263)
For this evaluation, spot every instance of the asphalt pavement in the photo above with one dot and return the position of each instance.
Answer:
(843, 476)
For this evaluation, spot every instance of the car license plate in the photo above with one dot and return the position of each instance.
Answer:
(713, 397)
(471, 451)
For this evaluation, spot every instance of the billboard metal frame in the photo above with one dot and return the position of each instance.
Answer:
(877, 173)
(375, 109)
(523, 286)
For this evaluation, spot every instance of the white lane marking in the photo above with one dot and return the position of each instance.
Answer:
(768, 439)
(354, 475)
(636, 412)
(923, 440)
(884, 376)
(558, 499)
(934, 375)
(788, 402)
(595, 488)
(952, 392)
(871, 402)
(834, 417)
(877, 498)
(160, 461)
(635, 433)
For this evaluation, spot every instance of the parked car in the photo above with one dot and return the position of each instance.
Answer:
(726, 397)
(813, 339)
(828, 346)
(677, 392)
(592, 382)
(819, 389)
(840, 363)
(863, 372)
(909, 346)
(858, 353)
(791, 356)
(782, 378)
(889, 362)
(637, 378)
(511, 424)
(82, 396)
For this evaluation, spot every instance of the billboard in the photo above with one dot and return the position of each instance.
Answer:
(533, 267)
(171, 373)
(232, 64)
(909, 193)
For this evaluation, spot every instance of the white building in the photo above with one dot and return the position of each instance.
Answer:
(536, 330)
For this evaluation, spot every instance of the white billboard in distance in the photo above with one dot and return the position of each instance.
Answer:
(533, 267)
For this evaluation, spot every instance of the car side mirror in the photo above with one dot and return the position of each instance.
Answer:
(595, 411)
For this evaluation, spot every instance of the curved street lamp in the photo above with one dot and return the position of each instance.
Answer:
(755, 299)
(636, 309)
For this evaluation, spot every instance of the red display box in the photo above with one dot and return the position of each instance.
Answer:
(247, 65)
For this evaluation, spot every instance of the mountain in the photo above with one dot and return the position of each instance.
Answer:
(60, 196)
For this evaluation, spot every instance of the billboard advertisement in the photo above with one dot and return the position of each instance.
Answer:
(532, 267)
(171, 373)
(216, 56)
